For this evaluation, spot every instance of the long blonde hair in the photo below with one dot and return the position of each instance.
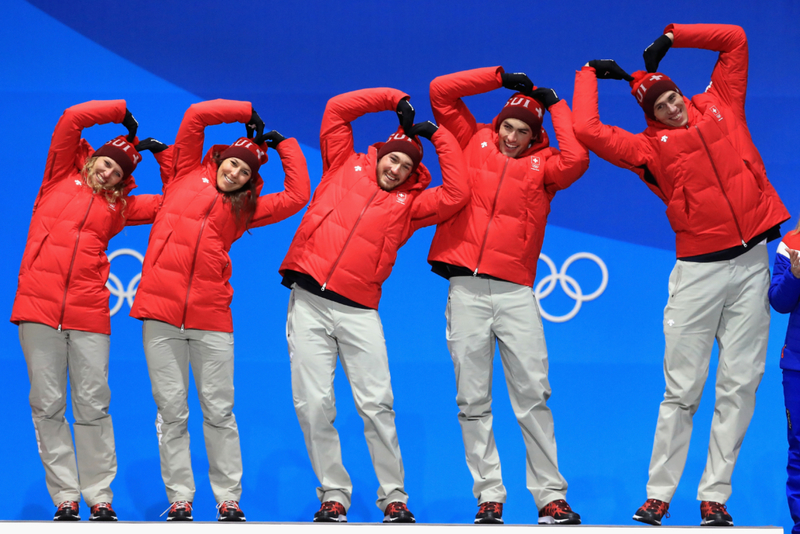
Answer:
(112, 195)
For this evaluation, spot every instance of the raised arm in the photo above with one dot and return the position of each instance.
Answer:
(729, 78)
(141, 209)
(67, 134)
(438, 204)
(573, 159)
(613, 144)
(189, 141)
(448, 108)
(275, 207)
(336, 133)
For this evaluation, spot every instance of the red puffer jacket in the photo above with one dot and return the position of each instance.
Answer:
(708, 173)
(186, 271)
(349, 238)
(64, 269)
(501, 229)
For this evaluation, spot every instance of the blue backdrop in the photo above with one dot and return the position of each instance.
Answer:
(288, 58)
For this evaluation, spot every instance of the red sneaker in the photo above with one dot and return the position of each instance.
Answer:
(652, 511)
(558, 513)
(715, 514)
(331, 512)
(490, 512)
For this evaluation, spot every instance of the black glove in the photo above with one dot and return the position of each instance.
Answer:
(607, 69)
(153, 145)
(254, 126)
(273, 139)
(405, 113)
(546, 96)
(654, 53)
(517, 81)
(130, 123)
(423, 129)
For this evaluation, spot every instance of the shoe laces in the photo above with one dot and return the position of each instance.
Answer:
(659, 507)
(96, 507)
(711, 507)
(558, 506)
(178, 505)
(225, 506)
(73, 505)
(332, 506)
(395, 507)
(491, 507)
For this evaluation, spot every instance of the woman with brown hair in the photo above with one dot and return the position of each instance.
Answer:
(184, 296)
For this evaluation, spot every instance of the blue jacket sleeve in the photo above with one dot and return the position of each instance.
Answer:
(784, 291)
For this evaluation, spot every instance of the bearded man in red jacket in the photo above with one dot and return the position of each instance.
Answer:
(489, 252)
(364, 209)
(698, 157)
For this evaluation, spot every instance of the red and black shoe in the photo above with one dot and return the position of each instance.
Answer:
(397, 512)
(180, 511)
(558, 513)
(67, 511)
(102, 511)
(714, 514)
(331, 512)
(490, 513)
(230, 511)
(652, 511)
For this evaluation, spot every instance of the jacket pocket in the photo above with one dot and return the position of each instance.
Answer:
(37, 252)
(160, 249)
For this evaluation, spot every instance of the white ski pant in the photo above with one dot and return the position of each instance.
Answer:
(726, 301)
(479, 313)
(53, 358)
(318, 329)
(169, 353)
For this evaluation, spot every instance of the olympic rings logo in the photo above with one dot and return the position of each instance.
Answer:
(114, 284)
(570, 286)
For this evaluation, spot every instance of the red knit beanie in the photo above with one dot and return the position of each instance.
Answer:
(122, 152)
(400, 142)
(648, 86)
(524, 108)
(248, 151)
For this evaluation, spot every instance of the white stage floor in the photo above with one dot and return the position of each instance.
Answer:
(29, 527)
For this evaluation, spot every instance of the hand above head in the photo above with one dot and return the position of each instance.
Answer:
(153, 145)
(423, 129)
(517, 81)
(405, 114)
(546, 96)
(130, 123)
(255, 126)
(654, 53)
(607, 69)
(272, 138)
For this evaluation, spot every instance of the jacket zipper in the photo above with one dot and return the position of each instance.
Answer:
(194, 261)
(730, 206)
(72, 262)
(494, 207)
(363, 210)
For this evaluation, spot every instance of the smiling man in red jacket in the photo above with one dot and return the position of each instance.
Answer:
(489, 252)
(364, 209)
(698, 157)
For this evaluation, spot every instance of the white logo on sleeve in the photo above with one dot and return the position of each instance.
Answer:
(205, 180)
(484, 144)
(664, 138)
(357, 168)
(716, 113)
(77, 182)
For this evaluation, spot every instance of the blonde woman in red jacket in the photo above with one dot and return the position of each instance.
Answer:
(61, 305)
(489, 252)
(365, 208)
(698, 157)
(184, 296)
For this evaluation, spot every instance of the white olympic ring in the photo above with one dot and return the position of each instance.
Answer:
(117, 289)
(568, 284)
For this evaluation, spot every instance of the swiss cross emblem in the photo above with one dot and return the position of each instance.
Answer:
(535, 162)
(716, 113)
(401, 197)
(656, 77)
